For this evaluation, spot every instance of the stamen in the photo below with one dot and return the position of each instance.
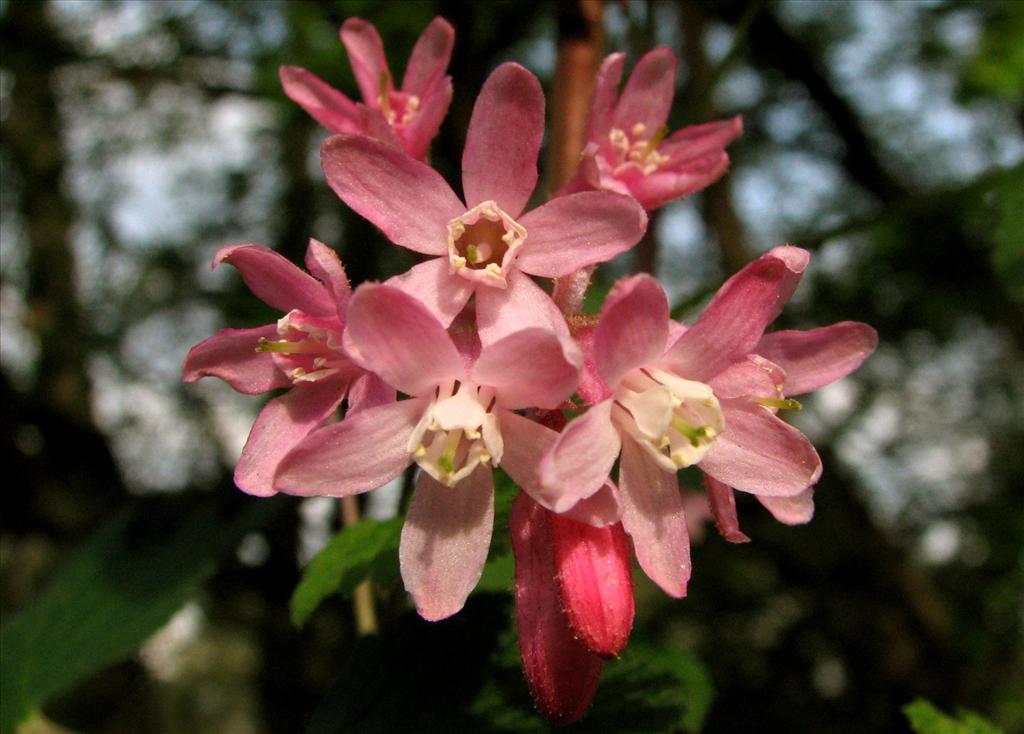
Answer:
(288, 347)
(385, 103)
(696, 434)
(655, 141)
(780, 404)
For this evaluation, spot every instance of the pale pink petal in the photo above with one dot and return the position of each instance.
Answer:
(755, 376)
(373, 123)
(323, 264)
(394, 335)
(796, 260)
(596, 580)
(280, 426)
(231, 355)
(561, 672)
(368, 391)
(523, 304)
(796, 510)
(761, 454)
(422, 129)
(733, 323)
(592, 389)
(431, 284)
(722, 502)
(276, 281)
(526, 443)
(571, 232)
(579, 463)
(429, 58)
(671, 183)
(406, 199)
(633, 327)
(606, 93)
(364, 451)
(324, 103)
(817, 357)
(499, 162)
(445, 539)
(533, 368)
(653, 515)
(647, 97)
(366, 54)
(697, 141)
(599, 509)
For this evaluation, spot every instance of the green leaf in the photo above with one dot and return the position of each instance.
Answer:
(365, 549)
(120, 588)
(925, 718)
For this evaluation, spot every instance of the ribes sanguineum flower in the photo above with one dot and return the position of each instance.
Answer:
(408, 117)
(457, 424)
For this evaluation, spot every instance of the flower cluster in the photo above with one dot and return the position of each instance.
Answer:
(465, 363)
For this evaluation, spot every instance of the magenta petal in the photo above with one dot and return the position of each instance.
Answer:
(445, 539)
(276, 280)
(761, 454)
(368, 391)
(366, 450)
(647, 97)
(523, 304)
(231, 355)
(697, 141)
(578, 464)
(561, 672)
(633, 327)
(796, 510)
(596, 581)
(599, 509)
(530, 368)
(571, 232)
(653, 515)
(323, 264)
(366, 54)
(429, 58)
(733, 323)
(406, 199)
(422, 129)
(280, 426)
(391, 333)
(499, 162)
(817, 357)
(526, 443)
(324, 103)
(755, 376)
(431, 284)
(606, 93)
(722, 502)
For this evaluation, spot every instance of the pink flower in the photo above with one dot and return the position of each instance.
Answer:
(486, 245)
(457, 424)
(407, 118)
(709, 399)
(302, 351)
(628, 147)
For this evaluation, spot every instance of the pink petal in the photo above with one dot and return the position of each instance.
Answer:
(324, 103)
(596, 581)
(530, 368)
(578, 464)
(817, 357)
(592, 389)
(572, 232)
(561, 672)
(422, 129)
(599, 509)
(231, 355)
(282, 424)
(276, 281)
(796, 510)
(673, 182)
(633, 327)
(445, 539)
(734, 321)
(523, 304)
(755, 376)
(406, 199)
(429, 58)
(323, 264)
(722, 502)
(526, 443)
(368, 391)
(499, 161)
(366, 450)
(697, 141)
(606, 93)
(431, 284)
(366, 54)
(394, 335)
(653, 515)
(761, 454)
(647, 97)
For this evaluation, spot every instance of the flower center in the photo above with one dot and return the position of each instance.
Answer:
(399, 108)
(483, 243)
(457, 433)
(310, 347)
(637, 150)
(675, 420)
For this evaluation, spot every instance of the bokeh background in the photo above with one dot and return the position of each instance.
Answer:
(138, 137)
